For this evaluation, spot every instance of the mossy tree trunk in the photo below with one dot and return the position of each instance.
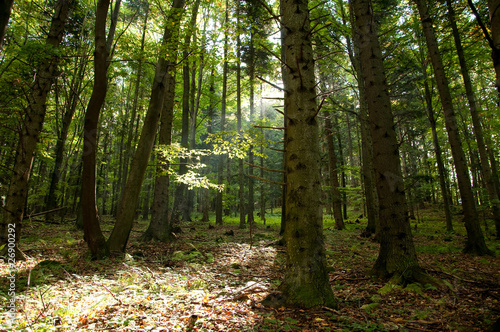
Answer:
(306, 282)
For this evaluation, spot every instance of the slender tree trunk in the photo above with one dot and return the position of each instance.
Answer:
(439, 158)
(478, 128)
(370, 190)
(75, 90)
(31, 127)
(220, 164)
(397, 256)
(133, 115)
(334, 180)
(306, 282)
(91, 227)
(126, 211)
(160, 227)
(475, 239)
(241, 175)
(181, 196)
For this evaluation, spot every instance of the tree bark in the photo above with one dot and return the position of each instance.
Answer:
(220, 164)
(91, 227)
(126, 211)
(397, 257)
(160, 227)
(476, 122)
(181, 196)
(475, 239)
(306, 282)
(31, 127)
(334, 180)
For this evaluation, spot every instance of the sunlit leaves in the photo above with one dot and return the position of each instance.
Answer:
(234, 145)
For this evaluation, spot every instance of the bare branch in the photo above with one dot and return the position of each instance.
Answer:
(264, 168)
(266, 180)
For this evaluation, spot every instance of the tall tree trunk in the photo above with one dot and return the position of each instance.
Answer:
(397, 256)
(306, 282)
(478, 128)
(74, 93)
(370, 190)
(133, 115)
(475, 239)
(126, 211)
(181, 196)
(91, 227)
(220, 163)
(241, 180)
(160, 227)
(438, 153)
(334, 180)
(32, 124)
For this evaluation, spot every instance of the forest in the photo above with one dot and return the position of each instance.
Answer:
(250, 165)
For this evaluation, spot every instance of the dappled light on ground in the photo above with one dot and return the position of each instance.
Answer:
(212, 279)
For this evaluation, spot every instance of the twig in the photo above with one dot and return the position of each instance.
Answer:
(271, 84)
(267, 127)
(264, 168)
(266, 180)
(106, 288)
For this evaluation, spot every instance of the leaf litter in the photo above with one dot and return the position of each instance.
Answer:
(213, 279)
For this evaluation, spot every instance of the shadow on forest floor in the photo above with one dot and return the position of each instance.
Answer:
(212, 279)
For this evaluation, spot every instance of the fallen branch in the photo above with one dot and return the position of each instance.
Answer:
(42, 213)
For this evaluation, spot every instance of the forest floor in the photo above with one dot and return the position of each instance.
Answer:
(212, 279)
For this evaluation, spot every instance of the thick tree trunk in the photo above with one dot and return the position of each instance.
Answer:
(476, 122)
(126, 211)
(397, 256)
(32, 125)
(306, 282)
(475, 239)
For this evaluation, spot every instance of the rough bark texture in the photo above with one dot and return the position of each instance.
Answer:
(128, 204)
(475, 239)
(306, 282)
(31, 127)
(397, 256)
